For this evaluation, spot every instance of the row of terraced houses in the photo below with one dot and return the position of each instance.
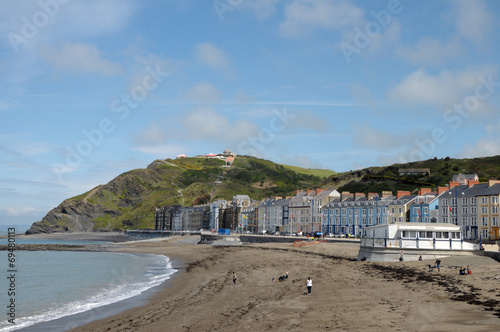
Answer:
(466, 202)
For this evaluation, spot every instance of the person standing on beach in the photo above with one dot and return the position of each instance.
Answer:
(309, 286)
(234, 278)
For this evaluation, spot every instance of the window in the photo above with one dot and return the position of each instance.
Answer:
(445, 201)
(473, 221)
(494, 221)
(464, 200)
(473, 200)
(484, 200)
(444, 210)
(370, 212)
(445, 220)
(484, 221)
(465, 210)
(337, 220)
(484, 209)
(494, 209)
(465, 221)
(426, 210)
(494, 200)
(439, 235)
(453, 201)
(454, 221)
(445, 235)
(473, 209)
(484, 233)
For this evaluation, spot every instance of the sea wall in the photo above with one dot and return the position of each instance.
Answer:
(250, 238)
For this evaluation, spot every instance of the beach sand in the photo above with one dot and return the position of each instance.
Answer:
(347, 295)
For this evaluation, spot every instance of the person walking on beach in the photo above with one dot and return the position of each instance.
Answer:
(309, 286)
(438, 264)
(234, 278)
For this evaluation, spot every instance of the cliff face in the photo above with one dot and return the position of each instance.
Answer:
(129, 200)
(69, 216)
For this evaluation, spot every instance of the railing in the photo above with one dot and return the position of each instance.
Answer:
(444, 244)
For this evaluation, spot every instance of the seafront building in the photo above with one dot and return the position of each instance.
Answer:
(474, 207)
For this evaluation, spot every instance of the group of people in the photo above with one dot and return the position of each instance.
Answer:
(465, 270)
(281, 278)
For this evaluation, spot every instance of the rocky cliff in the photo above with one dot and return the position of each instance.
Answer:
(129, 200)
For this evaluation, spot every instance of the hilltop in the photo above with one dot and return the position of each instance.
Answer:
(377, 179)
(129, 200)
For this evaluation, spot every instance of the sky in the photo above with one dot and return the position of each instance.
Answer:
(91, 89)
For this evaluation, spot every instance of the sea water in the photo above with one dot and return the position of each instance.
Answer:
(47, 285)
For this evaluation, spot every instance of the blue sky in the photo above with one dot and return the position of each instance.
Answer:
(91, 89)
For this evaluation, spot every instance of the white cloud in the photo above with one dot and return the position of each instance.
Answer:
(261, 8)
(302, 17)
(20, 211)
(310, 121)
(489, 145)
(430, 51)
(211, 56)
(153, 135)
(79, 58)
(473, 19)
(444, 89)
(161, 150)
(204, 93)
(205, 123)
(365, 135)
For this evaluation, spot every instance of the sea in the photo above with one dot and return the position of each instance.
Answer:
(72, 288)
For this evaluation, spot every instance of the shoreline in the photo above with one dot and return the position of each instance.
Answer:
(79, 319)
(347, 294)
(102, 312)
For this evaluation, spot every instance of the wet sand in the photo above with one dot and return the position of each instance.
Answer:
(347, 295)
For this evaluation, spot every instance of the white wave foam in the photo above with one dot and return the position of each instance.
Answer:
(121, 292)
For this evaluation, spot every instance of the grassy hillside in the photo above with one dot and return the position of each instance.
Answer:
(322, 173)
(376, 179)
(129, 200)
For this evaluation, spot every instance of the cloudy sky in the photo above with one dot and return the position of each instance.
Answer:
(91, 89)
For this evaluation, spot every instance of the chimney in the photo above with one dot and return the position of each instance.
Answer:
(492, 182)
(345, 195)
(470, 183)
(454, 184)
(401, 193)
(442, 190)
(423, 191)
(386, 194)
(358, 196)
(372, 195)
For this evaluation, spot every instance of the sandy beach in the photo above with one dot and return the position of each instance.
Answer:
(347, 295)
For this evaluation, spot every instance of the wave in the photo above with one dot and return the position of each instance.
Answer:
(156, 274)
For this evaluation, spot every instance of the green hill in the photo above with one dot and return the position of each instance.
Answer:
(129, 200)
(377, 179)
